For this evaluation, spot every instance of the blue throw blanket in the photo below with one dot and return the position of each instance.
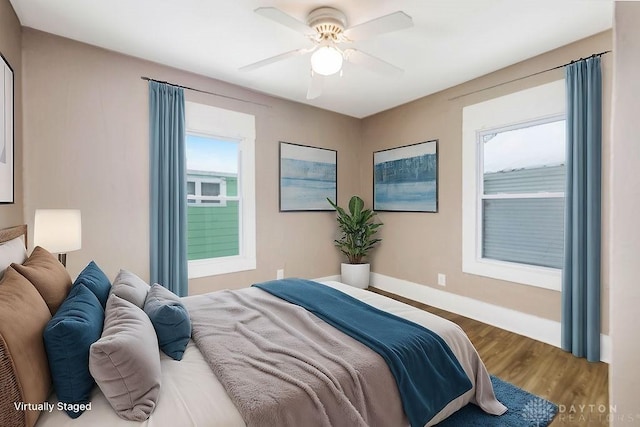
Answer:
(427, 372)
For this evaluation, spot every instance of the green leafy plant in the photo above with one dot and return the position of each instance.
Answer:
(358, 228)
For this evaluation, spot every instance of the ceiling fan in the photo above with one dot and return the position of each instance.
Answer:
(327, 28)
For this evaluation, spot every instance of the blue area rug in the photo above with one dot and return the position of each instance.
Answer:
(525, 410)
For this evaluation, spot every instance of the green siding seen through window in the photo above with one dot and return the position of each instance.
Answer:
(213, 231)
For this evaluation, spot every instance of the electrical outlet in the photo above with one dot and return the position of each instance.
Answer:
(280, 274)
(442, 279)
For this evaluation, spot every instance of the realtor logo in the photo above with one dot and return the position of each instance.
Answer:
(538, 412)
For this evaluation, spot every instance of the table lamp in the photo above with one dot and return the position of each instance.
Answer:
(58, 231)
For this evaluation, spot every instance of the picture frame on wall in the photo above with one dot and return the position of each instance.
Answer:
(6, 133)
(405, 179)
(308, 176)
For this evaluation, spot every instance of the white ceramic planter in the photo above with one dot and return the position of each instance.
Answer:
(356, 275)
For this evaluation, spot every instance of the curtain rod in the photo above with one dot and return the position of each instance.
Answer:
(204, 91)
(527, 76)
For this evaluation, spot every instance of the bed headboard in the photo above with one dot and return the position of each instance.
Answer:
(10, 233)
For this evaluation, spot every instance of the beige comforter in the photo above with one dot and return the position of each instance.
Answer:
(283, 366)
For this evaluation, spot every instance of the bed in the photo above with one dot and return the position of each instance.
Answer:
(192, 395)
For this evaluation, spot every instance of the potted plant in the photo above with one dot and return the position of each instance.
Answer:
(358, 228)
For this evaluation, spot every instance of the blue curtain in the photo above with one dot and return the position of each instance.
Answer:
(581, 273)
(168, 187)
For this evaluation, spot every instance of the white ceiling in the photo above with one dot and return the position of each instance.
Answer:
(452, 41)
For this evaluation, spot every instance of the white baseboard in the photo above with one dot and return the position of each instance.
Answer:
(535, 327)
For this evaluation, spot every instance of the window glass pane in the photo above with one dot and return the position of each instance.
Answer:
(213, 231)
(526, 231)
(213, 226)
(191, 191)
(211, 155)
(533, 180)
(210, 189)
(529, 159)
(191, 188)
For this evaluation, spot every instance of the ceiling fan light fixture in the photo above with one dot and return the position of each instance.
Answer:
(326, 61)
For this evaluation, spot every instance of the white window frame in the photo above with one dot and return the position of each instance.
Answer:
(541, 103)
(218, 123)
(198, 197)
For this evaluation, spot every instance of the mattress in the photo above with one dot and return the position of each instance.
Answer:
(191, 395)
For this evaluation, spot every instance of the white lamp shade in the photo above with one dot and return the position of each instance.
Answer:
(58, 230)
(326, 61)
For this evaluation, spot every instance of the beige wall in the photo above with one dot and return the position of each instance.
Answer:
(624, 376)
(418, 246)
(11, 49)
(86, 146)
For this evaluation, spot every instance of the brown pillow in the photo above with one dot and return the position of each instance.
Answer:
(49, 277)
(24, 370)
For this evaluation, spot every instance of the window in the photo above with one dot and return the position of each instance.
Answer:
(513, 186)
(220, 190)
(210, 191)
(213, 214)
(209, 187)
(522, 193)
(204, 191)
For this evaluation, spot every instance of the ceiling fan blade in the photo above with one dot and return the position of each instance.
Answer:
(285, 19)
(315, 86)
(273, 59)
(372, 63)
(384, 24)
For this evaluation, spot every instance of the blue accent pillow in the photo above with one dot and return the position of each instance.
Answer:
(170, 319)
(96, 281)
(67, 337)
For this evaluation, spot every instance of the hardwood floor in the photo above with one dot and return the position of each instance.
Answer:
(578, 387)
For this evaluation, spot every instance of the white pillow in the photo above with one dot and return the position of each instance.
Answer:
(10, 252)
(125, 361)
(130, 287)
